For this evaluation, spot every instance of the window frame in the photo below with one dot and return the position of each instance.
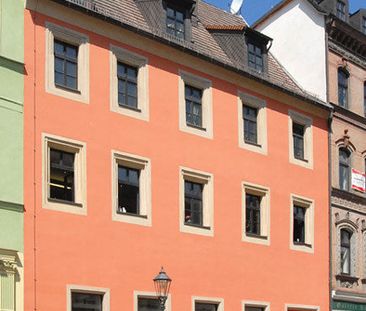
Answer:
(307, 122)
(68, 36)
(308, 246)
(210, 300)
(256, 45)
(298, 137)
(149, 295)
(256, 304)
(347, 165)
(295, 307)
(206, 130)
(265, 224)
(140, 62)
(343, 71)
(79, 206)
(341, 10)
(173, 6)
(261, 106)
(126, 79)
(142, 164)
(206, 179)
(350, 232)
(71, 288)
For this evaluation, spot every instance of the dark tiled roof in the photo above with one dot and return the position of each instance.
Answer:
(143, 16)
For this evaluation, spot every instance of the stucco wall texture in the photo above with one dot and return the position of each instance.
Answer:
(95, 251)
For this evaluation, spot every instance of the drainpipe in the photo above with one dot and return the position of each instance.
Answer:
(330, 120)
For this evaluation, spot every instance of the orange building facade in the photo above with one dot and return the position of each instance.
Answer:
(79, 239)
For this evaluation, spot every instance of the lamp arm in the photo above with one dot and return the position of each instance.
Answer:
(162, 300)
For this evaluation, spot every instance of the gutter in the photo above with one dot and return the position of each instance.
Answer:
(313, 101)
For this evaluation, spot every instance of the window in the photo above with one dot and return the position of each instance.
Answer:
(302, 224)
(67, 63)
(131, 191)
(64, 186)
(253, 214)
(254, 309)
(341, 10)
(195, 105)
(298, 131)
(148, 304)
(255, 56)
(345, 251)
(201, 306)
(256, 214)
(364, 98)
(364, 25)
(299, 224)
(175, 22)
(250, 124)
(128, 190)
(193, 97)
(193, 203)
(300, 139)
(62, 183)
(86, 301)
(207, 304)
(196, 202)
(344, 169)
(129, 83)
(83, 298)
(343, 76)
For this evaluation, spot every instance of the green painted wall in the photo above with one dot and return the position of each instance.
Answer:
(11, 123)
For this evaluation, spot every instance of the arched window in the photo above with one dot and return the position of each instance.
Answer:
(344, 168)
(345, 251)
(343, 76)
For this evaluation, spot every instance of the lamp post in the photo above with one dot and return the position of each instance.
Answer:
(162, 285)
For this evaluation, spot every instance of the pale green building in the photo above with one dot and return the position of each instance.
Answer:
(11, 154)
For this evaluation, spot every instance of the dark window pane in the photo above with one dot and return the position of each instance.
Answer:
(205, 306)
(341, 10)
(344, 169)
(343, 87)
(255, 56)
(65, 64)
(128, 190)
(299, 224)
(345, 251)
(193, 203)
(127, 85)
(250, 124)
(254, 309)
(252, 212)
(61, 175)
(148, 304)
(193, 97)
(298, 131)
(86, 302)
(175, 22)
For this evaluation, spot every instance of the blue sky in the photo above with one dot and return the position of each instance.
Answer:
(253, 9)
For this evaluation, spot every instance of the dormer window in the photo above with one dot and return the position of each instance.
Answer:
(341, 10)
(175, 21)
(255, 56)
(364, 25)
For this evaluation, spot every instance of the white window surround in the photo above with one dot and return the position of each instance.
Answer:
(144, 165)
(264, 193)
(206, 179)
(90, 290)
(11, 280)
(309, 205)
(258, 304)
(260, 105)
(308, 139)
(118, 54)
(79, 149)
(207, 114)
(289, 307)
(82, 41)
(142, 294)
(213, 300)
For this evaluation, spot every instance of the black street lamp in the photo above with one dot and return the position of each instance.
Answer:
(162, 285)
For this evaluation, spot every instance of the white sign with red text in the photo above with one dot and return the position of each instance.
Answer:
(358, 180)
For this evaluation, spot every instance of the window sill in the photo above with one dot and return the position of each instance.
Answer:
(256, 236)
(197, 226)
(65, 88)
(347, 277)
(51, 200)
(132, 215)
(196, 127)
(302, 244)
(252, 144)
(129, 107)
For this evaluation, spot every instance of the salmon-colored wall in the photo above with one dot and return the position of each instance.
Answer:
(95, 251)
